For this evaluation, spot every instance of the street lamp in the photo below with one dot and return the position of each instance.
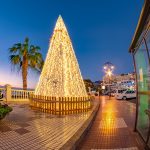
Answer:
(109, 73)
(108, 69)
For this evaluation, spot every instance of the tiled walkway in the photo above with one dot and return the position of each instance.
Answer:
(24, 129)
(113, 127)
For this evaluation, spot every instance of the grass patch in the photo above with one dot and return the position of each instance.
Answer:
(4, 109)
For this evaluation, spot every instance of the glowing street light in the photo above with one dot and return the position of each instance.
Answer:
(105, 67)
(108, 69)
(109, 73)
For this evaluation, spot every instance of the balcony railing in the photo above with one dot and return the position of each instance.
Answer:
(11, 94)
(21, 94)
(2, 89)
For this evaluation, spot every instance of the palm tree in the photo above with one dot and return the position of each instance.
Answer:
(25, 56)
(88, 83)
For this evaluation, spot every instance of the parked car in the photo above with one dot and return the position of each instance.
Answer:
(118, 91)
(106, 92)
(113, 93)
(126, 95)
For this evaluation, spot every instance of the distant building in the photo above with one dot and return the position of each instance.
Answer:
(119, 78)
(122, 81)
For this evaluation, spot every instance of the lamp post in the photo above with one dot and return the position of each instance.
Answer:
(108, 69)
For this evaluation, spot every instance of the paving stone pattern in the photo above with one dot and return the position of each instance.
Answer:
(113, 127)
(26, 129)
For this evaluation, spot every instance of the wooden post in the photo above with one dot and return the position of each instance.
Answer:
(65, 106)
(59, 104)
(71, 107)
(55, 105)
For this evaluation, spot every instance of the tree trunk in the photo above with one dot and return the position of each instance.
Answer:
(24, 71)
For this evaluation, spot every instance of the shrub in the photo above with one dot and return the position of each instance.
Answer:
(4, 109)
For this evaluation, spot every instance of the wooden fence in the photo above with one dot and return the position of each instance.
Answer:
(61, 105)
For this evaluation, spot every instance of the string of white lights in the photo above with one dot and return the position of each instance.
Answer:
(61, 75)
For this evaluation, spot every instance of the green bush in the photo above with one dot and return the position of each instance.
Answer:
(4, 111)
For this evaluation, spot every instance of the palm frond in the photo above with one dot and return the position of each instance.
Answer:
(16, 62)
(15, 48)
(38, 67)
(37, 48)
(36, 61)
(15, 59)
(33, 49)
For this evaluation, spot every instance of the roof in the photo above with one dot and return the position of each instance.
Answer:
(141, 23)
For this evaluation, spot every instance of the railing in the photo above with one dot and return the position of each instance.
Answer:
(12, 94)
(3, 90)
(2, 93)
(61, 105)
(21, 94)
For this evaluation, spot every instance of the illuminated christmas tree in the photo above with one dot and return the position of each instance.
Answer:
(61, 75)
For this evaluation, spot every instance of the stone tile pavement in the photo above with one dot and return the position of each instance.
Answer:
(113, 127)
(26, 129)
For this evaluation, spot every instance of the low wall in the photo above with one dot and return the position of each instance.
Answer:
(15, 95)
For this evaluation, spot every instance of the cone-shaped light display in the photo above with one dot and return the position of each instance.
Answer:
(61, 75)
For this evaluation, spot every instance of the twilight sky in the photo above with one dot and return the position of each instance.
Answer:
(100, 31)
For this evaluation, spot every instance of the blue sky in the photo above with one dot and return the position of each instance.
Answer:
(100, 30)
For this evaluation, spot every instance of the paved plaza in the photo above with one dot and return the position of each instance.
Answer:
(113, 127)
(25, 129)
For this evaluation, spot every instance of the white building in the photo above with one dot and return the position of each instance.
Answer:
(122, 81)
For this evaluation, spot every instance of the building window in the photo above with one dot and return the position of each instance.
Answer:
(142, 68)
(143, 78)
